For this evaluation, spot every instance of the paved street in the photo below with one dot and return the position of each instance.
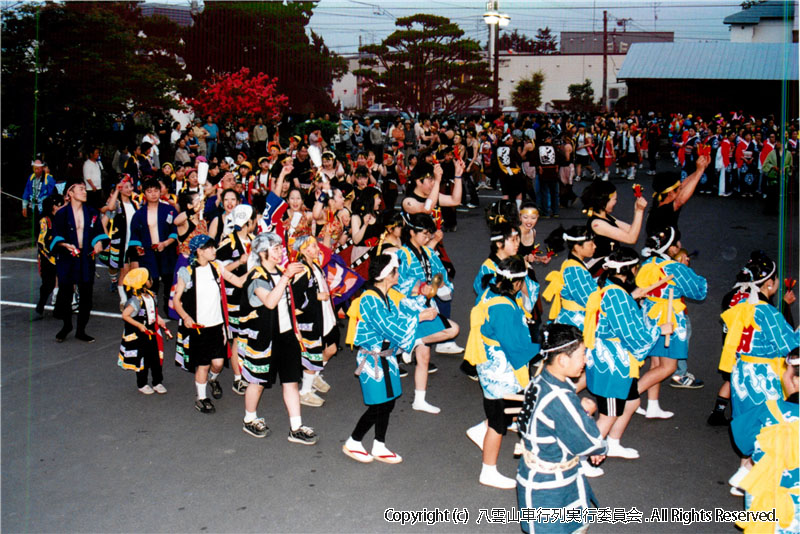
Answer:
(83, 451)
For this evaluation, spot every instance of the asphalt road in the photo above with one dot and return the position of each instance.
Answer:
(83, 451)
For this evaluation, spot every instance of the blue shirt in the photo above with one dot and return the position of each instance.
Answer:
(213, 131)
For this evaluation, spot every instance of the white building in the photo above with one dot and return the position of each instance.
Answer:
(772, 21)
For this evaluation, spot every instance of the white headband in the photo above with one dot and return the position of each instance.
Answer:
(752, 287)
(502, 237)
(578, 239)
(617, 265)
(565, 345)
(511, 276)
(792, 359)
(386, 271)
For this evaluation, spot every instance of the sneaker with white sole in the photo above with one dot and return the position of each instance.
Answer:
(239, 386)
(449, 348)
(146, 390)
(304, 435)
(687, 381)
(160, 389)
(321, 385)
(216, 389)
(311, 399)
(257, 428)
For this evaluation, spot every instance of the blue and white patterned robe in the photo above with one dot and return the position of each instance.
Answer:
(620, 330)
(490, 267)
(506, 326)
(382, 321)
(556, 430)
(687, 284)
(578, 285)
(753, 384)
(411, 274)
(746, 429)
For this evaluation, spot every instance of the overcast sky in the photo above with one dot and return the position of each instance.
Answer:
(341, 22)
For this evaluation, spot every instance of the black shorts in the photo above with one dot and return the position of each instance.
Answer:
(631, 158)
(495, 413)
(726, 376)
(209, 344)
(582, 160)
(285, 360)
(614, 407)
(331, 338)
(512, 185)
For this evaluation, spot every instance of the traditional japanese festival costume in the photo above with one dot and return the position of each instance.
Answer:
(231, 249)
(771, 435)
(416, 270)
(617, 341)
(569, 290)
(118, 230)
(135, 343)
(555, 432)
(758, 339)
(684, 284)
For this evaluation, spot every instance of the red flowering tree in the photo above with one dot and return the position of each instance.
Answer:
(239, 97)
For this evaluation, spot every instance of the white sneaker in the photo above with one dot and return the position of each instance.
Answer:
(160, 389)
(640, 411)
(496, 480)
(590, 470)
(738, 476)
(311, 399)
(424, 406)
(146, 390)
(477, 433)
(618, 451)
(449, 348)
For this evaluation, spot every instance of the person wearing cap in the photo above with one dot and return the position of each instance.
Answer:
(232, 254)
(269, 339)
(152, 239)
(142, 345)
(39, 186)
(202, 305)
(78, 237)
(671, 194)
(119, 211)
(665, 303)
(617, 340)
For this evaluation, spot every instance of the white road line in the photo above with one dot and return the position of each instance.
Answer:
(29, 305)
(29, 260)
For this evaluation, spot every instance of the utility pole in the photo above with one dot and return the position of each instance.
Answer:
(359, 89)
(496, 73)
(604, 101)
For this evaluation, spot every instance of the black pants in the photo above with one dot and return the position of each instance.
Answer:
(63, 309)
(48, 274)
(151, 362)
(470, 188)
(378, 415)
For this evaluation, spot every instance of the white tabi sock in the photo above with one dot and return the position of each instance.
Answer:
(201, 390)
(354, 445)
(419, 395)
(249, 416)
(308, 383)
(295, 422)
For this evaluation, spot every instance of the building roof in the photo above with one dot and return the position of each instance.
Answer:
(710, 61)
(618, 42)
(770, 9)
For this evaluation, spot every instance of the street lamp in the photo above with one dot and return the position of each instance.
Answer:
(495, 20)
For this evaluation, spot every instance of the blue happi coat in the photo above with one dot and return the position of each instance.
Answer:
(382, 328)
(554, 428)
(685, 283)
(411, 274)
(614, 335)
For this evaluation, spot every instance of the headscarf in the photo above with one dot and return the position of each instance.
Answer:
(136, 279)
(196, 243)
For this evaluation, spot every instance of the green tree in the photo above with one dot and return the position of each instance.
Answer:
(88, 61)
(527, 95)
(424, 65)
(516, 42)
(545, 41)
(268, 37)
(581, 96)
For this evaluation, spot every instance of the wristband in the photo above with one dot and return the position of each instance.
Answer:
(428, 204)
(457, 177)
